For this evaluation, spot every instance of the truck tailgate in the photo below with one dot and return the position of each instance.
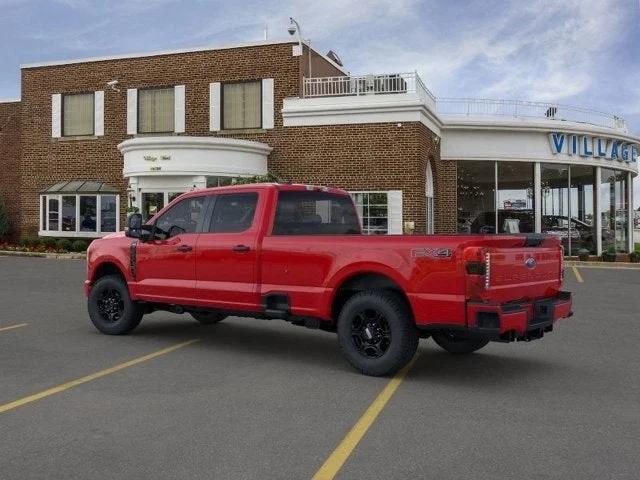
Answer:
(526, 272)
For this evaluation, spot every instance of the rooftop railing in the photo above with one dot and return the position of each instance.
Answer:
(402, 83)
(343, 86)
(474, 107)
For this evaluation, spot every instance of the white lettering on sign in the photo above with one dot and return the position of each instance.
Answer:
(597, 147)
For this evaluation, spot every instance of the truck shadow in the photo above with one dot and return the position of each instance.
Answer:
(276, 340)
(484, 369)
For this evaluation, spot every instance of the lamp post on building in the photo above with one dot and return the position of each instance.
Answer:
(294, 27)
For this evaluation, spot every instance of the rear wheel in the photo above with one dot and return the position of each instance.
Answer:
(111, 309)
(459, 342)
(376, 332)
(208, 318)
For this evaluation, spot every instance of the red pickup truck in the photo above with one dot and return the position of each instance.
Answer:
(297, 253)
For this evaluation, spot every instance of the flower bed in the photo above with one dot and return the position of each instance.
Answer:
(45, 245)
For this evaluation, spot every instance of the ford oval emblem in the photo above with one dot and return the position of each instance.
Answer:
(530, 262)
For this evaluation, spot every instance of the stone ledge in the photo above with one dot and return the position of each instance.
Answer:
(58, 256)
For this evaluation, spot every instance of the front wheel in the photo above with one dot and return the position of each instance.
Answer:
(376, 332)
(110, 307)
(459, 342)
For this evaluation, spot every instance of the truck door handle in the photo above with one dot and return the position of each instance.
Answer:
(241, 248)
(184, 248)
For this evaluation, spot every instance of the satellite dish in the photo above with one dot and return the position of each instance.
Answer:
(334, 56)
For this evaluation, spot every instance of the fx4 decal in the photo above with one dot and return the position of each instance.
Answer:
(431, 252)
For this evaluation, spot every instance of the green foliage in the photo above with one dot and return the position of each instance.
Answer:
(5, 225)
(636, 247)
(27, 242)
(268, 178)
(133, 210)
(611, 249)
(79, 246)
(64, 244)
(49, 242)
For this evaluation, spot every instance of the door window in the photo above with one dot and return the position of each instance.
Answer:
(184, 217)
(233, 213)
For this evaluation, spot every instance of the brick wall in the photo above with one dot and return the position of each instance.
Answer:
(355, 157)
(46, 161)
(9, 158)
(382, 156)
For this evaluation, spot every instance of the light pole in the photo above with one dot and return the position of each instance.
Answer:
(294, 27)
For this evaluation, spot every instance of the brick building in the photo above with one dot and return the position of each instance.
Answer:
(90, 138)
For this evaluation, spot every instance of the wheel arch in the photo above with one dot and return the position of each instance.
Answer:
(108, 267)
(362, 281)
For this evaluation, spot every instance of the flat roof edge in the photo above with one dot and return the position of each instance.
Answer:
(10, 100)
(178, 51)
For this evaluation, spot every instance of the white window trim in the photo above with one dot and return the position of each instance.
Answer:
(268, 105)
(394, 201)
(98, 114)
(132, 111)
(56, 115)
(77, 234)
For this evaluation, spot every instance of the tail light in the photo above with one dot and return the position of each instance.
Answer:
(487, 270)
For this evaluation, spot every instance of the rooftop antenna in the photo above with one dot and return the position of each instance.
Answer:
(266, 32)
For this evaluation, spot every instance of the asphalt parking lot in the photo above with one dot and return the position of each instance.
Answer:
(258, 399)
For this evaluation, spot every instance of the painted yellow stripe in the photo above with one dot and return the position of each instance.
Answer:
(94, 376)
(334, 463)
(11, 327)
(577, 274)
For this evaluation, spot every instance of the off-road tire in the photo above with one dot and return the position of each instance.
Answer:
(110, 307)
(459, 343)
(399, 334)
(208, 318)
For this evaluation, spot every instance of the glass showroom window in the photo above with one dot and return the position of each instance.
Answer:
(554, 180)
(156, 110)
(582, 209)
(79, 215)
(373, 209)
(515, 197)
(241, 105)
(78, 115)
(614, 210)
(476, 197)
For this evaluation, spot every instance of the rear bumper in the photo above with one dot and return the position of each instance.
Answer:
(518, 321)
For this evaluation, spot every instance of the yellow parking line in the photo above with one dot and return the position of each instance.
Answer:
(11, 327)
(334, 463)
(577, 274)
(79, 381)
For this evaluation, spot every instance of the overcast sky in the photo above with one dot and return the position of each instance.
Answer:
(583, 52)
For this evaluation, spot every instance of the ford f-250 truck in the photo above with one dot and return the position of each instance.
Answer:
(297, 253)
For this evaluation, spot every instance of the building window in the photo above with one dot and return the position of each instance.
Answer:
(156, 110)
(429, 197)
(68, 215)
(515, 197)
(614, 210)
(476, 197)
(219, 181)
(241, 105)
(78, 114)
(373, 209)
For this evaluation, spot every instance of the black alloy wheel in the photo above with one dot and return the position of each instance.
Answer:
(110, 307)
(376, 332)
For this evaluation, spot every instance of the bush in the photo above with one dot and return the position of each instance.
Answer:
(79, 246)
(64, 244)
(49, 242)
(5, 226)
(583, 254)
(29, 242)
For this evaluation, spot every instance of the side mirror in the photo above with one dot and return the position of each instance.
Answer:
(134, 225)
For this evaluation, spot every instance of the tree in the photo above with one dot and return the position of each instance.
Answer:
(268, 178)
(5, 226)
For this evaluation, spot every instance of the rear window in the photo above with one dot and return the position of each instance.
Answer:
(315, 213)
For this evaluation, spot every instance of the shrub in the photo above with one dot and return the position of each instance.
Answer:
(49, 242)
(64, 244)
(79, 246)
(583, 254)
(29, 242)
(5, 226)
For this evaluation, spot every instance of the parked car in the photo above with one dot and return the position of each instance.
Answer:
(297, 253)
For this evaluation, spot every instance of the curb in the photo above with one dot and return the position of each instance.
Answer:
(57, 256)
(610, 265)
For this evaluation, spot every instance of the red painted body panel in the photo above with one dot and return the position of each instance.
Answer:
(430, 270)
